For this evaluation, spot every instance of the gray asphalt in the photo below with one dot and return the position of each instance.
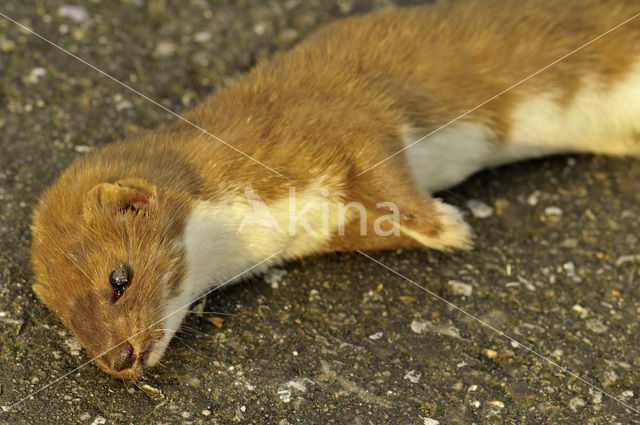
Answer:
(339, 339)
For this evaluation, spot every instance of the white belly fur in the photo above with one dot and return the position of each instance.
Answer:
(597, 121)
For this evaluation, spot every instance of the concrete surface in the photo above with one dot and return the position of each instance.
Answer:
(339, 339)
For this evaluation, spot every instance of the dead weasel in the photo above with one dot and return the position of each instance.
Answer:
(135, 231)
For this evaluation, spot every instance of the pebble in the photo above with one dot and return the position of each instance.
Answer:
(122, 105)
(627, 259)
(83, 148)
(202, 36)
(596, 326)
(376, 335)
(576, 402)
(626, 394)
(413, 376)
(496, 403)
(274, 276)
(553, 211)
(460, 288)
(99, 420)
(74, 346)
(429, 421)
(534, 198)
(6, 45)
(77, 14)
(164, 49)
(36, 74)
(206, 412)
(479, 209)
(285, 395)
(490, 353)
(583, 312)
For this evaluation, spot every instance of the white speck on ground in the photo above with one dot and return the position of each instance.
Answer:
(99, 420)
(460, 288)
(429, 421)
(164, 49)
(376, 335)
(83, 148)
(596, 326)
(627, 259)
(534, 198)
(555, 211)
(413, 376)
(36, 74)
(77, 14)
(479, 209)
(274, 276)
(576, 402)
(202, 36)
(74, 346)
(285, 395)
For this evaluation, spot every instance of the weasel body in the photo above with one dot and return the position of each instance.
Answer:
(131, 234)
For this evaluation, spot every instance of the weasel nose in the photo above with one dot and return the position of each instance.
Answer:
(125, 358)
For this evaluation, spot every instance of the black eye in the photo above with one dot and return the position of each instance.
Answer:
(119, 278)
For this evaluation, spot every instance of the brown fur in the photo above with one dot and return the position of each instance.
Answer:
(333, 106)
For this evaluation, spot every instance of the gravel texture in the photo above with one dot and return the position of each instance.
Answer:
(336, 339)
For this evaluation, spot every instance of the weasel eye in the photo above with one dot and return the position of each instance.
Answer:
(119, 278)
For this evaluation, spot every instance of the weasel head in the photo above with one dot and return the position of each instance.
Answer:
(106, 261)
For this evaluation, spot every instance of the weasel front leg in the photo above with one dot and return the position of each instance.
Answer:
(399, 215)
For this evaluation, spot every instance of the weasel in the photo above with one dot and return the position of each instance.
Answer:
(131, 233)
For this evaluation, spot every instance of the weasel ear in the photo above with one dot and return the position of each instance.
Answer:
(127, 194)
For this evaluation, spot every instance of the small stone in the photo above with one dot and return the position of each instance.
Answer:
(501, 205)
(285, 395)
(626, 394)
(583, 312)
(77, 14)
(376, 335)
(490, 353)
(553, 211)
(429, 421)
(36, 74)
(460, 288)
(534, 198)
(202, 36)
(610, 377)
(6, 45)
(206, 412)
(84, 416)
(260, 28)
(413, 376)
(274, 276)
(164, 49)
(99, 420)
(596, 396)
(496, 403)
(479, 209)
(186, 415)
(83, 148)
(473, 388)
(596, 326)
(576, 402)
(124, 104)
